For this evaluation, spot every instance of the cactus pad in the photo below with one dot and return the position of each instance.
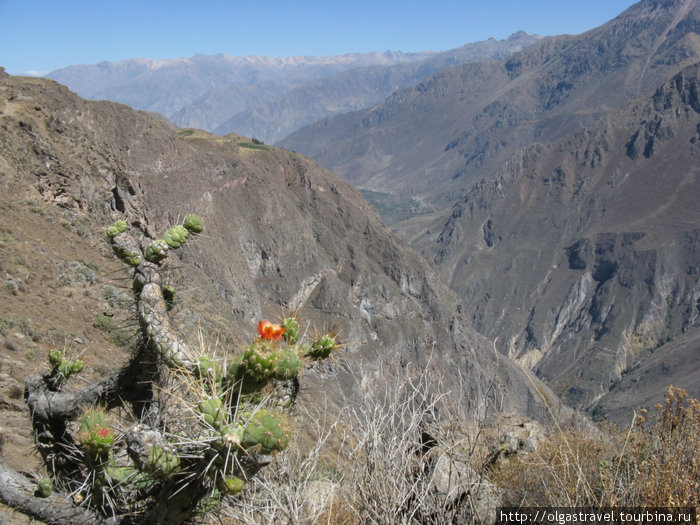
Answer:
(263, 430)
(285, 364)
(129, 257)
(257, 360)
(116, 228)
(44, 488)
(94, 434)
(322, 347)
(213, 411)
(161, 463)
(207, 368)
(230, 485)
(176, 236)
(194, 223)
(157, 250)
(231, 436)
(291, 333)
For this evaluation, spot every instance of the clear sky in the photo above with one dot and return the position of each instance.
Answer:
(38, 36)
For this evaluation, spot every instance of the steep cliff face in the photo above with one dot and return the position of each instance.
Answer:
(282, 234)
(582, 256)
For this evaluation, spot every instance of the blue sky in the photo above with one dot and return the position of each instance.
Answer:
(40, 35)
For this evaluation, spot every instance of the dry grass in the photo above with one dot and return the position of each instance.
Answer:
(653, 463)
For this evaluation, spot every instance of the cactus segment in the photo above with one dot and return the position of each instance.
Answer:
(291, 332)
(44, 488)
(231, 436)
(94, 434)
(161, 463)
(322, 347)
(208, 503)
(257, 361)
(230, 485)
(157, 250)
(285, 364)
(207, 367)
(55, 358)
(127, 476)
(176, 236)
(212, 409)
(116, 228)
(263, 430)
(128, 257)
(194, 223)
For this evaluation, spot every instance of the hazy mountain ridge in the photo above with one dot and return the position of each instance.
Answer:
(357, 88)
(438, 138)
(581, 256)
(247, 94)
(166, 86)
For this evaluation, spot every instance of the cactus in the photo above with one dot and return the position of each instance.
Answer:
(116, 228)
(257, 360)
(194, 223)
(161, 463)
(95, 436)
(157, 250)
(322, 347)
(212, 408)
(230, 485)
(176, 236)
(291, 330)
(170, 465)
(62, 368)
(285, 364)
(263, 430)
(44, 488)
(129, 257)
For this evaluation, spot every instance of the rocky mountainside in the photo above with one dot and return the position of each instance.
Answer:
(582, 256)
(424, 146)
(350, 90)
(168, 86)
(282, 234)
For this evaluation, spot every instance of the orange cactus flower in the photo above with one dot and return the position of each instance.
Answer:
(103, 432)
(271, 332)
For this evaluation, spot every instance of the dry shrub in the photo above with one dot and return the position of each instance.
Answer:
(668, 452)
(385, 461)
(653, 463)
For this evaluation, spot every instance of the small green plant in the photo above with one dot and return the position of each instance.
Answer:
(62, 368)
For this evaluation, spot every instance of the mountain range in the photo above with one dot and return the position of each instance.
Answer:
(268, 98)
(508, 176)
(424, 144)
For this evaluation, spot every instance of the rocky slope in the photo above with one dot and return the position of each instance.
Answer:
(282, 234)
(428, 144)
(581, 256)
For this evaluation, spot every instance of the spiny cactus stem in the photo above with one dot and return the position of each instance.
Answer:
(157, 329)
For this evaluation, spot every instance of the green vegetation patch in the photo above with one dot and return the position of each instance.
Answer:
(254, 145)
